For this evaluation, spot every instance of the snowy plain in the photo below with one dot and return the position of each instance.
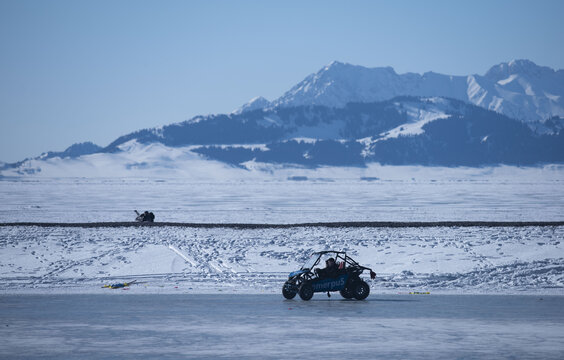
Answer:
(198, 190)
(191, 260)
(184, 259)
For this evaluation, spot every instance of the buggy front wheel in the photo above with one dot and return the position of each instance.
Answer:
(289, 290)
(306, 292)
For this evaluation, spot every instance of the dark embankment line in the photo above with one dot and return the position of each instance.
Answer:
(353, 224)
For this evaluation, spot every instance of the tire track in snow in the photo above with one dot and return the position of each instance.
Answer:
(179, 253)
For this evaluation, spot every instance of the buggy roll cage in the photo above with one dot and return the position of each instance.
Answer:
(339, 255)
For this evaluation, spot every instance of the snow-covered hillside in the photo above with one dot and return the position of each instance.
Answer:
(432, 131)
(132, 160)
(519, 89)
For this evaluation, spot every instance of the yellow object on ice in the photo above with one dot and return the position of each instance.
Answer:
(119, 285)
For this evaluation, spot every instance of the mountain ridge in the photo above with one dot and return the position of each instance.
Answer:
(534, 93)
(315, 123)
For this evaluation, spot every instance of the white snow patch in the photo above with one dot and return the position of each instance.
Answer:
(476, 94)
(496, 104)
(367, 142)
(508, 80)
(419, 117)
(262, 147)
(552, 97)
(195, 120)
(269, 121)
(305, 140)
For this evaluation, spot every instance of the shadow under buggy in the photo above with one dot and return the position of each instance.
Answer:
(341, 274)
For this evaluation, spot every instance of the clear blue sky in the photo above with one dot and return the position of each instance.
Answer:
(73, 71)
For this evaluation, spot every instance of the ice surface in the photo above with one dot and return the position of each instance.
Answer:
(127, 326)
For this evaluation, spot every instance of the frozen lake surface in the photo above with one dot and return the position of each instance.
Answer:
(420, 194)
(130, 326)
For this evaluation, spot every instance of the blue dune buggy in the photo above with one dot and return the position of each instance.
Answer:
(343, 277)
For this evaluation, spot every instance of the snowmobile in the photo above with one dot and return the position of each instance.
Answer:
(344, 277)
(144, 217)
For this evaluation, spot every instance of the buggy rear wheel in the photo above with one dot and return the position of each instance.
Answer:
(346, 293)
(360, 290)
(306, 292)
(289, 290)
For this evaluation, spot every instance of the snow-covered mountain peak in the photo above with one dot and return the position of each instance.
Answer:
(520, 67)
(334, 64)
(519, 89)
(255, 103)
(339, 69)
(338, 83)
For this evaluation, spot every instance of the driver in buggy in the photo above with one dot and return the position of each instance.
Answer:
(331, 269)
